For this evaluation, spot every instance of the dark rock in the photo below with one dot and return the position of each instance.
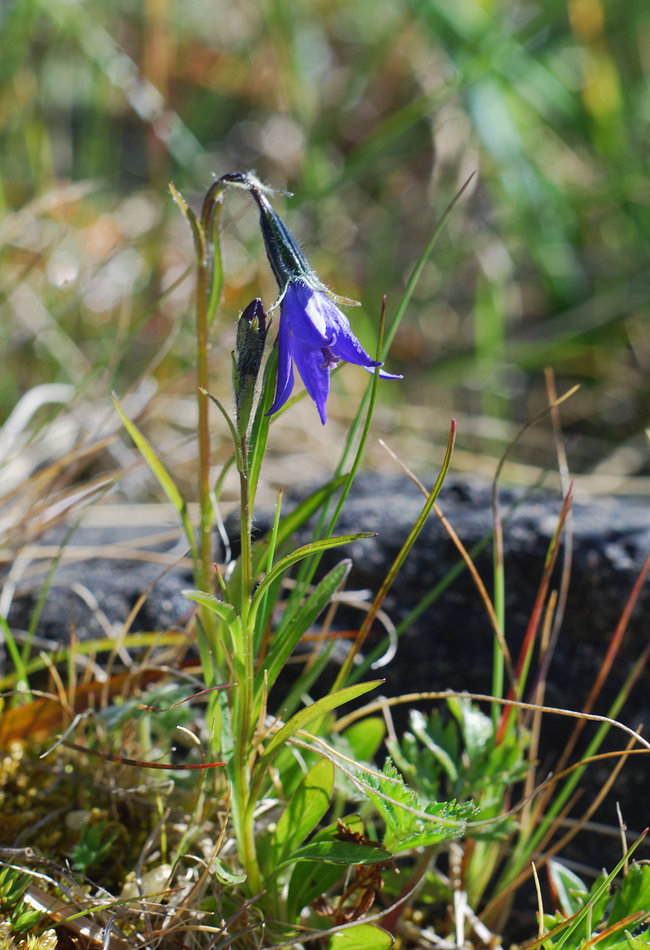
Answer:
(114, 584)
(450, 644)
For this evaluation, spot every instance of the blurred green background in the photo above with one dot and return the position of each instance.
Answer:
(372, 113)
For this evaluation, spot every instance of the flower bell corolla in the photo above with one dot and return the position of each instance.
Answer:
(314, 334)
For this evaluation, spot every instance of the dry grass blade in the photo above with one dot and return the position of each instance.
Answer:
(493, 911)
(612, 651)
(464, 553)
(46, 714)
(412, 698)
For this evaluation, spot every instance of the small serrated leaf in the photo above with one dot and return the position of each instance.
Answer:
(397, 803)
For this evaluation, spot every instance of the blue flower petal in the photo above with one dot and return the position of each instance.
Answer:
(284, 383)
(302, 307)
(382, 372)
(314, 373)
(347, 347)
(314, 334)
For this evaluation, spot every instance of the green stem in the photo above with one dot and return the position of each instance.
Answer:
(245, 532)
(209, 282)
(245, 663)
(205, 502)
(243, 821)
(243, 805)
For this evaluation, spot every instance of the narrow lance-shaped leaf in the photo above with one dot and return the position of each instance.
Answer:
(395, 567)
(194, 223)
(307, 806)
(163, 477)
(285, 642)
(302, 552)
(225, 612)
(300, 720)
(288, 526)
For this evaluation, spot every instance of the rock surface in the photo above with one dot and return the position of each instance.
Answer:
(450, 644)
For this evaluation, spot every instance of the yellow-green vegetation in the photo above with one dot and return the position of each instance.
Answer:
(473, 173)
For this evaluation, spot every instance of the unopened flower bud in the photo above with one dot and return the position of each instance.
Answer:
(247, 358)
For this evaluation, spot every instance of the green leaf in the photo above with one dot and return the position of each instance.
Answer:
(341, 852)
(397, 802)
(571, 891)
(477, 728)
(17, 662)
(163, 477)
(458, 758)
(594, 909)
(296, 518)
(391, 574)
(303, 551)
(285, 641)
(634, 893)
(309, 880)
(223, 610)
(93, 847)
(194, 223)
(638, 942)
(438, 751)
(303, 717)
(365, 737)
(361, 937)
(306, 680)
(223, 875)
(288, 526)
(239, 458)
(309, 803)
